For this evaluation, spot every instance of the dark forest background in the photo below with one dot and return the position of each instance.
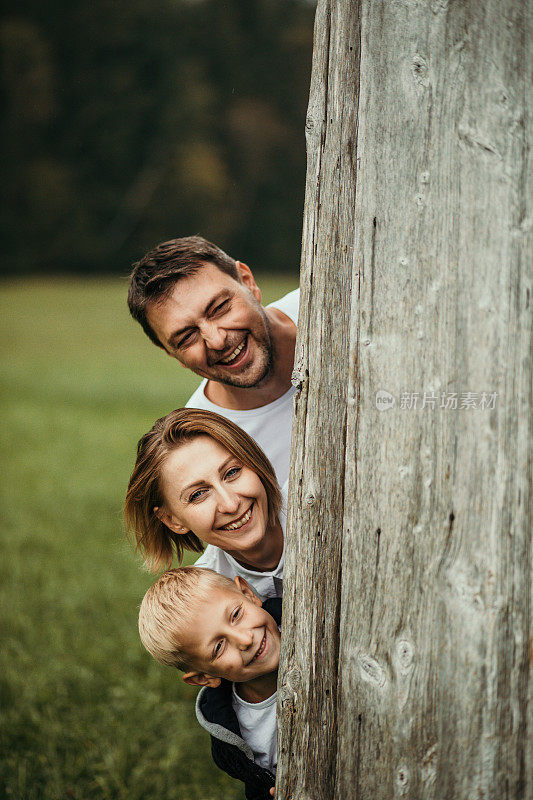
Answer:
(127, 123)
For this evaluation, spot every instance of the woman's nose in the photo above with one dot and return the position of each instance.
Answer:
(228, 500)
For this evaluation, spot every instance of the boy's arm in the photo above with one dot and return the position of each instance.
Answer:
(252, 794)
(257, 781)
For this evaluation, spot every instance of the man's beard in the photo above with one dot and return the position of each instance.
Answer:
(261, 368)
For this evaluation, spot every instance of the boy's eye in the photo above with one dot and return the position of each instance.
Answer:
(218, 649)
(236, 614)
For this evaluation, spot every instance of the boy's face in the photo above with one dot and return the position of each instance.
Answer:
(230, 636)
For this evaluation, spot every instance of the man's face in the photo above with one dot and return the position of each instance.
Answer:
(216, 327)
(231, 636)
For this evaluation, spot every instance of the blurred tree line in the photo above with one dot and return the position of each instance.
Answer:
(127, 122)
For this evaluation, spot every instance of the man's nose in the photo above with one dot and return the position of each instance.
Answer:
(213, 336)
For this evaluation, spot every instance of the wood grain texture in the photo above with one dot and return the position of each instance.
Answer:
(406, 667)
(308, 691)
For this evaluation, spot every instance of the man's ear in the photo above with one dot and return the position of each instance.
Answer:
(201, 679)
(168, 520)
(248, 279)
(244, 587)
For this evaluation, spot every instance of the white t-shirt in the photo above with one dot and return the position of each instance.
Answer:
(270, 425)
(257, 722)
(264, 584)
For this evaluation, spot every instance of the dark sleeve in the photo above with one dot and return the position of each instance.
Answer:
(257, 781)
(222, 756)
(253, 794)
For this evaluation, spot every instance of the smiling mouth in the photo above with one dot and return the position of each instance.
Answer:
(233, 356)
(261, 648)
(238, 523)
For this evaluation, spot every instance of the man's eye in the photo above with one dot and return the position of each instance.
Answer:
(185, 340)
(221, 307)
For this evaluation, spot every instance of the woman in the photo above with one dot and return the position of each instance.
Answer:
(199, 478)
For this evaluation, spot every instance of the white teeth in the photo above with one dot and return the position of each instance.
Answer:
(240, 522)
(233, 355)
(261, 648)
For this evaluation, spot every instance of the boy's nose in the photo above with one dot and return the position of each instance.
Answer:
(244, 639)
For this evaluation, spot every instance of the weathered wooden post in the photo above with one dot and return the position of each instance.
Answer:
(406, 663)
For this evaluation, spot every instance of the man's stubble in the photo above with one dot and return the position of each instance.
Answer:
(266, 356)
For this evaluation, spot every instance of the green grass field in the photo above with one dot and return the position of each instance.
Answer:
(84, 711)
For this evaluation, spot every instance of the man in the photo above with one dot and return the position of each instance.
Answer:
(204, 309)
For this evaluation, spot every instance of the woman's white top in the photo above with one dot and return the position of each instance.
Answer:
(265, 584)
(257, 722)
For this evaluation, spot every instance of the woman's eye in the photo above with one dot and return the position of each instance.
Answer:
(196, 495)
(231, 473)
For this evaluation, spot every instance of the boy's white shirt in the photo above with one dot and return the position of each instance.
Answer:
(269, 425)
(257, 722)
(264, 584)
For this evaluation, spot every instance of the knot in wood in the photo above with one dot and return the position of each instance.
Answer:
(405, 653)
(287, 701)
(309, 123)
(371, 671)
(299, 373)
(420, 70)
(297, 379)
(293, 679)
(402, 779)
(289, 690)
(309, 499)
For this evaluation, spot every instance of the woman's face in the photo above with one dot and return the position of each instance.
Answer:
(209, 492)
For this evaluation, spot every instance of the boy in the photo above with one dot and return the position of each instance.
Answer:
(225, 640)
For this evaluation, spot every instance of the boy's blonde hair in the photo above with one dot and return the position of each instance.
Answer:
(165, 611)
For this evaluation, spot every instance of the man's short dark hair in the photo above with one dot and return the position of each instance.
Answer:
(154, 276)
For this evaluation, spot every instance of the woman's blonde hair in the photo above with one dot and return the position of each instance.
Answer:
(156, 540)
